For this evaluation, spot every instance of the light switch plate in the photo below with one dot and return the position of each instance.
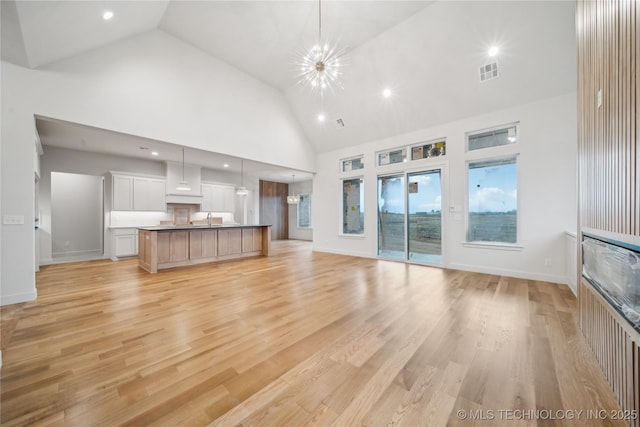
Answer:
(13, 219)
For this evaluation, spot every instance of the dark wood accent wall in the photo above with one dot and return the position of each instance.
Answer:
(274, 209)
(608, 37)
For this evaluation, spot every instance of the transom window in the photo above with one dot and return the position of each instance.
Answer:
(492, 138)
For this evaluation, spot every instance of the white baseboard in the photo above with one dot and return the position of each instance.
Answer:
(338, 252)
(552, 278)
(17, 298)
(72, 259)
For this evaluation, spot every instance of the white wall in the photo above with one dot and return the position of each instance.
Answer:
(76, 214)
(156, 86)
(302, 187)
(151, 85)
(547, 190)
(17, 278)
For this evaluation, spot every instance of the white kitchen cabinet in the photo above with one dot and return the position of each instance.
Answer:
(134, 193)
(125, 242)
(149, 194)
(218, 198)
(207, 197)
(229, 198)
(122, 189)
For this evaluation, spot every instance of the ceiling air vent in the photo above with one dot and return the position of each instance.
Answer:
(339, 123)
(489, 71)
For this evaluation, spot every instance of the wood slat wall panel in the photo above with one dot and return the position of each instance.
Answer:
(609, 160)
(608, 42)
(616, 347)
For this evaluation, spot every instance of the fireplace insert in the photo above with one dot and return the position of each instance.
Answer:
(612, 267)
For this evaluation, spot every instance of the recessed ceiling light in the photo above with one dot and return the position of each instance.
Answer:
(493, 50)
(386, 93)
(107, 15)
(321, 117)
(226, 165)
(154, 153)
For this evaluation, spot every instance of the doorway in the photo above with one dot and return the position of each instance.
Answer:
(77, 216)
(410, 216)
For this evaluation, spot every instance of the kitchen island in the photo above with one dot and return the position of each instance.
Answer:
(176, 246)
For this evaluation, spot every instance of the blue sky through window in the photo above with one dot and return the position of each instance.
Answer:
(428, 197)
(493, 188)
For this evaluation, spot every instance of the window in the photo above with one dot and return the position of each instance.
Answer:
(304, 211)
(353, 206)
(493, 198)
(425, 151)
(392, 156)
(352, 164)
(492, 138)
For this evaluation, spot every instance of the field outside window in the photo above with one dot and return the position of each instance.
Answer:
(493, 201)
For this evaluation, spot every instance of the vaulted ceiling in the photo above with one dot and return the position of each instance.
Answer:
(428, 54)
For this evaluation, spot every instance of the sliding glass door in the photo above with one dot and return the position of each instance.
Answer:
(424, 219)
(410, 216)
(391, 217)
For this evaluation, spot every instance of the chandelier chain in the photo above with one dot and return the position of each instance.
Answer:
(320, 65)
(319, 21)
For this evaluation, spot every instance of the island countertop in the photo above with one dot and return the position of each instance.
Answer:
(167, 246)
(198, 226)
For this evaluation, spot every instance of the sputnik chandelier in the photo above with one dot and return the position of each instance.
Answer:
(319, 65)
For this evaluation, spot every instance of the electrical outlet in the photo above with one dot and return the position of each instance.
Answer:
(547, 262)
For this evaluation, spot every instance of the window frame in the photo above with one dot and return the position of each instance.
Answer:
(506, 127)
(350, 159)
(406, 156)
(423, 144)
(341, 231)
(489, 244)
(310, 226)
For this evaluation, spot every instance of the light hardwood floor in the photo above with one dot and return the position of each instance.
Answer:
(298, 338)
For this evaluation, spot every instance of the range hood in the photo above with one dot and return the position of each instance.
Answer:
(192, 176)
(180, 199)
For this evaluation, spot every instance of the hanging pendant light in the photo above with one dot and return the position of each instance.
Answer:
(293, 199)
(242, 190)
(183, 185)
